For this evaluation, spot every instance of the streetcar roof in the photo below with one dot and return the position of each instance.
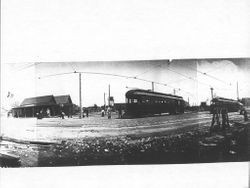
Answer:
(221, 99)
(140, 92)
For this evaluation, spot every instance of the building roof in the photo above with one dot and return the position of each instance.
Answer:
(47, 100)
(39, 101)
(63, 99)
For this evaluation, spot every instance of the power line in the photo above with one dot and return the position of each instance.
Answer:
(116, 75)
(59, 74)
(191, 78)
(208, 75)
(163, 84)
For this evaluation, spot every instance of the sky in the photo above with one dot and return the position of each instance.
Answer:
(182, 77)
(83, 32)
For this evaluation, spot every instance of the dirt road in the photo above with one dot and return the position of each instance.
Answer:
(56, 129)
(98, 140)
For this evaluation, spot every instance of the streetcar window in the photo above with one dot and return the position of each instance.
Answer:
(135, 101)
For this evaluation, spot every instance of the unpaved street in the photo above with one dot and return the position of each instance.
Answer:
(56, 129)
(99, 140)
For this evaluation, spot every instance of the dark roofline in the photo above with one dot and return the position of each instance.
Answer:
(61, 95)
(58, 96)
(39, 97)
(131, 92)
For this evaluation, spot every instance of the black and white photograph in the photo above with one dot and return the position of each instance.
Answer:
(125, 89)
(126, 112)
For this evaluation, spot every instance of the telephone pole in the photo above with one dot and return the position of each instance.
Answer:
(80, 94)
(109, 96)
(104, 98)
(212, 92)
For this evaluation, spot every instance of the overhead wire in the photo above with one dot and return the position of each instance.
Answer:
(189, 77)
(115, 75)
(208, 75)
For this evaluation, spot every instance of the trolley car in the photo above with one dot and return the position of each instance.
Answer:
(140, 103)
(230, 104)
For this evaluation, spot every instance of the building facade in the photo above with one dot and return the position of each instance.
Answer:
(48, 106)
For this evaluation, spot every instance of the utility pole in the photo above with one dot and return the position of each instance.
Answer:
(109, 96)
(104, 98)
(80, 94)
(238, 91)
(212, 92)
(153, 86)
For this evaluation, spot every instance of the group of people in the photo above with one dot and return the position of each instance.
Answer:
(108, 112)
(220, 119)
(86, 112)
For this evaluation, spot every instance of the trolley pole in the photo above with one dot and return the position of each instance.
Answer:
(153, 86)
(80, 94)
(109, 96)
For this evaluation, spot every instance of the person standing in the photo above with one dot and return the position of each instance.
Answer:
(120, 112)
(48, 112)
(87, 113)
(109, 113)
(103, 113)
(62, 115)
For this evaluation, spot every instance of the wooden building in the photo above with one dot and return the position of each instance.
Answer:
(46, 105)
(64, 103)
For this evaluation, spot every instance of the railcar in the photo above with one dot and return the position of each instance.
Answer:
(140, 103)
(230, 104)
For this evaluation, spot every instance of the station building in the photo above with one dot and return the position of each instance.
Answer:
(48, 105)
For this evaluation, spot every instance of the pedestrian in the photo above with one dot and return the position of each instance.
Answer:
(120, 112)
(48, 112)
(62, 115)
(41, 114)
(87, 113)
(102, 112)
(224, 115)
(245, 115)
(109, 113)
